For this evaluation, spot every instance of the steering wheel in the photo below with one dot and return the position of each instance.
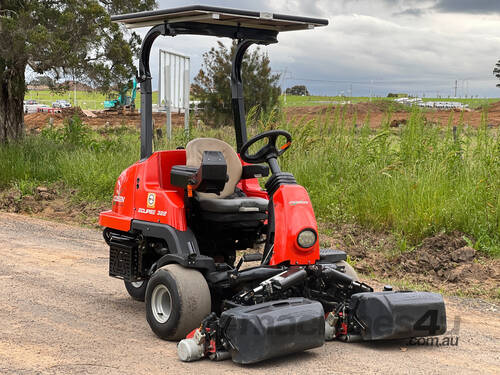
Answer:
(268, 151)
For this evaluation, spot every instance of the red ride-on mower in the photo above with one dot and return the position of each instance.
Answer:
(179, 216)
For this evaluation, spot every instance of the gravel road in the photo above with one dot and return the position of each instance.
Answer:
(61, 314)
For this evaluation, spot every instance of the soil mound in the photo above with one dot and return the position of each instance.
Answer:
(53, 202)
(493, 107)
(39, 120)
(446, 257)
(443, 261)
(73, 111)
(36, 121)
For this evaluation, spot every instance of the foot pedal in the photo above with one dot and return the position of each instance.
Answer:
(249, 258)
(331, 255)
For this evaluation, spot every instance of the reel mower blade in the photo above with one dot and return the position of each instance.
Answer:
(272, 329)
(397, 315)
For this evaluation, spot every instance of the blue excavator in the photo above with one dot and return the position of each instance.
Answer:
(123, 102)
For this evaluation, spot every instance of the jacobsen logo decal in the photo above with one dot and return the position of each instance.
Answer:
(119, 198)
(151, 200)
(294, 203)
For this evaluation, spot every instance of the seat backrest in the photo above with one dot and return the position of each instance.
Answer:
(194, 155)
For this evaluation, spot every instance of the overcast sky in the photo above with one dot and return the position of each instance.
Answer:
(415, 46)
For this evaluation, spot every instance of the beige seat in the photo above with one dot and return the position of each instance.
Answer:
(222, 203)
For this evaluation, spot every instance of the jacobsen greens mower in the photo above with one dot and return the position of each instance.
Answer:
(179, 216)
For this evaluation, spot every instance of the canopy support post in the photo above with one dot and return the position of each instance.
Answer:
(147, 90)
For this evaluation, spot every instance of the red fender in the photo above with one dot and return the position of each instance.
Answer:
(293, 212)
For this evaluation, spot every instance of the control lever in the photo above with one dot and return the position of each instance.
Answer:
(248, 258)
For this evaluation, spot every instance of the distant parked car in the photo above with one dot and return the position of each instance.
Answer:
(61, 104)
(30, 106)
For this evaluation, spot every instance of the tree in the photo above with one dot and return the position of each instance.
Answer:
(496, 71)
(42, 81)
(297, 90)
(212, 85)
(71, 38)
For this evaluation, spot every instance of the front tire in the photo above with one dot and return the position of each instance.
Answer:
(137, 290)
(177, 300)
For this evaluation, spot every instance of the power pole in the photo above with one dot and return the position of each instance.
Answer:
(74, 90)
(456, 85)
(284, 83)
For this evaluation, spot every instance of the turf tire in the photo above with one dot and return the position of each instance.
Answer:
(137, 293)
(189, 297)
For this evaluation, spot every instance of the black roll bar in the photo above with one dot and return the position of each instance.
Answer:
(147, 91)
(245, 36)
(237, 101)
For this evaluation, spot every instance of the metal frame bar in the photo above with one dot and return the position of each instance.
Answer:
(237, 101)
(147, 90)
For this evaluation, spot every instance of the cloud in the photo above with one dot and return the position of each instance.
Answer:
(376, 46)
(468, 6)
(414, 12)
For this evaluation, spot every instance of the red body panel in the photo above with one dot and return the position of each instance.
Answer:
(143, 192)
(293, 212)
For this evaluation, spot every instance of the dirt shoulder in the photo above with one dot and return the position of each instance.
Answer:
(62, 314)
(444, 262)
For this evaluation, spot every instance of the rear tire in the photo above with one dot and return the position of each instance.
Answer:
(137, 290)
(177, 300)
(349, 270)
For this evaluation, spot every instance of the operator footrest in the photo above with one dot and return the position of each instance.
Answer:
(331, 255)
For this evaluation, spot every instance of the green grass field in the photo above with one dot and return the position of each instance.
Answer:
(414, 182)
(94, 101)
(304, 101)
(85, 100)
(312, 100)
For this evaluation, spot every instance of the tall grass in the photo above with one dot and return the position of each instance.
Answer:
(414, 181)
(74, 155)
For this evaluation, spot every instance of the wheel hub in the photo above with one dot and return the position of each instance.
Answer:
(161, 303)
(137, 284)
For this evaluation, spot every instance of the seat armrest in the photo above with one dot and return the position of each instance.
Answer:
(182, 176)
(254, 171)
(210, 177)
